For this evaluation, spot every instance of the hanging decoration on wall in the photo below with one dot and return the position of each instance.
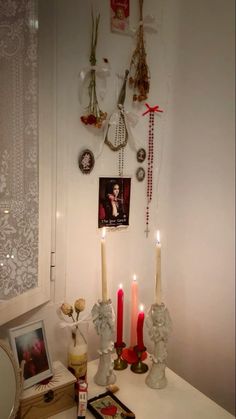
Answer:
(151, 112)
(86, 161)
(117, 131)
(94, 115)
(119, 16)
(140, 174)
(114, 202)
(141, 155)
(139, 79)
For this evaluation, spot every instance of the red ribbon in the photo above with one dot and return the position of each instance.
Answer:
(152, 109)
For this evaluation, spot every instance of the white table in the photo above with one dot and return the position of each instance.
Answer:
(179, 400)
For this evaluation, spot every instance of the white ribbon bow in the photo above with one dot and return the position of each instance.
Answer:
(148, 25)
(102, 71)
(67, 323)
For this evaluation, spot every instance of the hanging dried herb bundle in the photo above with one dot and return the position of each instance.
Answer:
(139, 72)
(94, 115)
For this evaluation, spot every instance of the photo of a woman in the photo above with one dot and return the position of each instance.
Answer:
(114, 197)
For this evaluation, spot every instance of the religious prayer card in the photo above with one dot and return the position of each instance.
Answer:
(119, 10)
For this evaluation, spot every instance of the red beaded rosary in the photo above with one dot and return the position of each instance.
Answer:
(150, 110)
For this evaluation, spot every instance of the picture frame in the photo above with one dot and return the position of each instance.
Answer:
(140, 174)
(108, 405)
(114, 201)
(119, 15)
(86, 161)
(30, 349)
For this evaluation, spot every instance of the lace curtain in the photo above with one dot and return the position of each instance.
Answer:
(19, 188)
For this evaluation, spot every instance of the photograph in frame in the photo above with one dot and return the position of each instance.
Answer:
(29, 346)
(120, 11)
(114, 201)
(108, 405)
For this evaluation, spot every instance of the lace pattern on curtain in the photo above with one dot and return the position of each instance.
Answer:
(19, 189)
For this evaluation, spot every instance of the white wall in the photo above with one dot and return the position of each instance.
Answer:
(191, 63)
(200, 224)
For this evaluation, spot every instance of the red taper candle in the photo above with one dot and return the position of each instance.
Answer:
(140, 322)
(120, 300)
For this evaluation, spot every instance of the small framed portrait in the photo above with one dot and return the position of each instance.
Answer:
(107, 405)
(86, 161)
(119, 10)
(29, 346)
(140, 174)
(114, 201)
(141, 155)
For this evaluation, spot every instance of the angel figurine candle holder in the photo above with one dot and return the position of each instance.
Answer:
(159, 326)
(103, 319)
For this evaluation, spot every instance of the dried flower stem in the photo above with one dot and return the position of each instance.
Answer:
(138, 66)
(94, 116)
(93, 103)
(68, 310)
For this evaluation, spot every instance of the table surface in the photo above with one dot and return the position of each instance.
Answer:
(178, 400)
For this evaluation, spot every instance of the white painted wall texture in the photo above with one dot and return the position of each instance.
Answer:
(191, 60)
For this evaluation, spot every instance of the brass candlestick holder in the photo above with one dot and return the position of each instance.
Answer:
(119, 363)
(139, 367)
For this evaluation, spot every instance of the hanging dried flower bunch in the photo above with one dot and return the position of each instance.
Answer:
(139, 72)
(94, 115)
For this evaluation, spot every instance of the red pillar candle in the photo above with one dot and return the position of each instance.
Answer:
(134, 311)
(140, 322)
(120, 298)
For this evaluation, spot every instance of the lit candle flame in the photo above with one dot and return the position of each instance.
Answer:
(121, 286)
(141, 307)
(158, 237)
(134, 277)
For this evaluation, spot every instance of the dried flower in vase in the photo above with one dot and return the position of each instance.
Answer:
(94, 115)
(68, 310)
(79, 305)
(77, 349)
(139, 72)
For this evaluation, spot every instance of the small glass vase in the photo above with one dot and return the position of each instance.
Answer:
(78, 352)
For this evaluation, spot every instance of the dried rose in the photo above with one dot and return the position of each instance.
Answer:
(84, 119)
(79, 305)
(67, 309)
(131, 81)
(91, 119)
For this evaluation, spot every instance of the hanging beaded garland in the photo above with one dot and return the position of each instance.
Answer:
(117, 139)
(151, 111)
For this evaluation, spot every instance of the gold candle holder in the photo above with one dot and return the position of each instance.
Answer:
(119, 363)
(139, 367)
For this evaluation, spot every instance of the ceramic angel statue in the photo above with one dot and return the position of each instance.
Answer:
(103, 319)
(159, 326)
